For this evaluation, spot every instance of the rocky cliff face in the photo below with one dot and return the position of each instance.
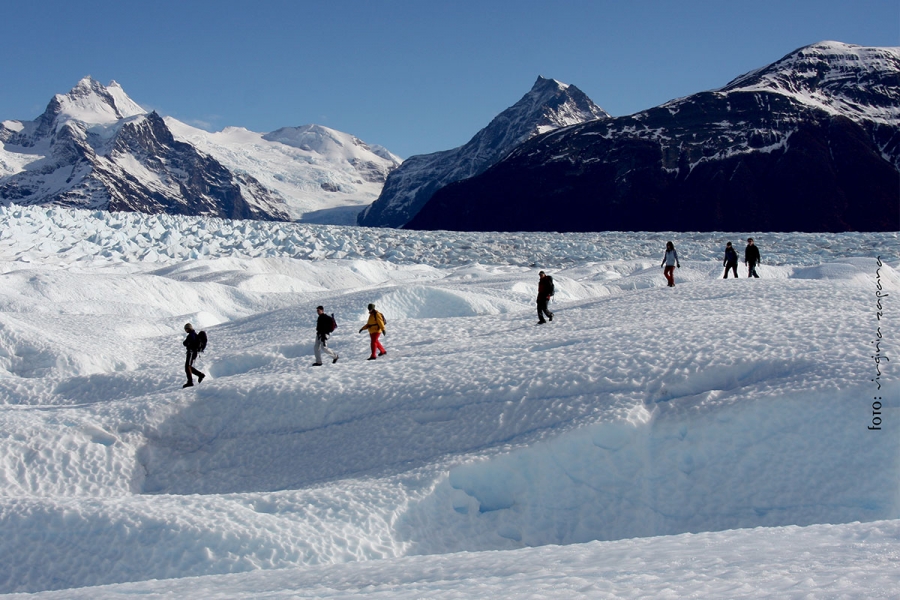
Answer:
(547, 107)
(809, 143)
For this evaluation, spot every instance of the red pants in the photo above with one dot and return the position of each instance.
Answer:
(376, 345)
(670, 275)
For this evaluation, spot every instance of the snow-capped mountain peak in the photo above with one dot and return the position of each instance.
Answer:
(320, 140)
(548, 106)
(856, 81)
(94, 147)
(93, 103)
(808, 143)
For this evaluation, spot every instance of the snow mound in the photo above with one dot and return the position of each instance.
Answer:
(420, 302)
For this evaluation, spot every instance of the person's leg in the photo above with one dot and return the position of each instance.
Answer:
(317, 349)
(328, 351)
(189, 369)
(381, 350)
(541, 308)
(670, 275)
(373, 344)
(199, 374)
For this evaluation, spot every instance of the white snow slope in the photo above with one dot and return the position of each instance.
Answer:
(324, 175)
(709, 440)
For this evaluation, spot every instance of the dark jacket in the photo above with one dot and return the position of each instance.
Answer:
(323, 325)
(751, 255)
(731, 256)
(545, 287)
(191, 342)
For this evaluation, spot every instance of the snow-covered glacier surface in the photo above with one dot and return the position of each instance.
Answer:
(715, 439)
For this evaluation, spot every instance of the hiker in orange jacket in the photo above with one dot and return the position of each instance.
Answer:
(375, 325)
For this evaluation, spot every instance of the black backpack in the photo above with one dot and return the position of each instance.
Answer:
(550, 288)
(201, 341)
(333, 323)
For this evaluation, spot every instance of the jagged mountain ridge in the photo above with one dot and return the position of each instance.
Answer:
(809, 143)
(96, 148)
(548, 106)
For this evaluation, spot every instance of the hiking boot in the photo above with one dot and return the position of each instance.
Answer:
(540, 322)
(335, 359)
(188, 384)
(371, 358)
(316, 364)
(382, 353)
(200, 377)
(551, 316)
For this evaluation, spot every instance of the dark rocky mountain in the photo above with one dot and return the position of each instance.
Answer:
(95, 148)
(809, 143)
(547, 107)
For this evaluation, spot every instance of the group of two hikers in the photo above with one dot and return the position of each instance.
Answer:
(326, 324)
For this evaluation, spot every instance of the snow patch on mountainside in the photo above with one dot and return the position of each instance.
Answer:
(836, 77)
(320, 173)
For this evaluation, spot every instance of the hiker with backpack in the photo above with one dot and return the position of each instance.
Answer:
(731, 260)
(325, 325)
(194, 342)
(375, 326)
(545, 291)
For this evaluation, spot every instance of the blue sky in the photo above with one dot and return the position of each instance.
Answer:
(413, 76)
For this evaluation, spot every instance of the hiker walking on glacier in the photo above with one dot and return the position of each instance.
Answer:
(731, 260)
(751, 258)
(375, 326)
(325, 325)
(192, 344)
(669, 263)
(545, 291)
